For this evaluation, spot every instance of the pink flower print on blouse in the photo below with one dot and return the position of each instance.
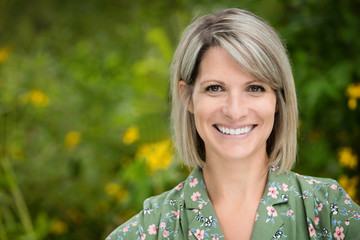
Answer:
(126, 229)
(152, 229)
(273, 168)
(195, 196)
(320, 207)
(143, 236)
(316, 220)
(288, 213)
(163, 225)
(338, 234)
(134, 223)
(176, 214)
(199, 234)
(179, 187)
(347, 222)
(334, 187)
(271, 211)
(311, 181)
(311, 230)
(166, 233)
(215, 238)
(347, 202)
(273, 192)
(193, 182)
(284, 187)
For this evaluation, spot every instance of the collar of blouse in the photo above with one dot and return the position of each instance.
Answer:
(201, 220)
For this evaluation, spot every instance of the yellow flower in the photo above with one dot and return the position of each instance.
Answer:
(352, 103)
(58, 227)
(4, 54)
(347, 158)
(131, 135)
(36, 97)
(157, 155)
(117, 191)
(349, 185)
(112, 188)
(353, 90)
(72, 139)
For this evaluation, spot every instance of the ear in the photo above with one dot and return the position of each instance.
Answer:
(182, 85)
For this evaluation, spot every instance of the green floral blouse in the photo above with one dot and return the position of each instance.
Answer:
(293, 207)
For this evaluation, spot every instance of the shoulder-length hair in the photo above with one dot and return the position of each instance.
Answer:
(260, 53)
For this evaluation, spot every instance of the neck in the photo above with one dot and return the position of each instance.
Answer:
(239, 181)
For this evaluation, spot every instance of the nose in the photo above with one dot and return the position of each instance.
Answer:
(236, 106)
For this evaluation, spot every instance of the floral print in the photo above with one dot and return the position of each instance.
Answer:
(271, 211)
(339, 233)
(152, 229)
(193, 182)
(293, 206)
(311, 230)
(195, 196)
(199, 234)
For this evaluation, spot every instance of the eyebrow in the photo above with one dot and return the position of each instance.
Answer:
(212, 80)
(223, 83)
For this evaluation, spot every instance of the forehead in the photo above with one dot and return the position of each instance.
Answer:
(218, 64)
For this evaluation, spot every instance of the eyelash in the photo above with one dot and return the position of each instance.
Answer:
(212, 90)
(255, 88)
(251, 88)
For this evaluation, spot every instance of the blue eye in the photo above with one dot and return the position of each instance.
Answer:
(256, 88)
(213, 88)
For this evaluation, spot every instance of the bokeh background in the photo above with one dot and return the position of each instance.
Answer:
(84, 104)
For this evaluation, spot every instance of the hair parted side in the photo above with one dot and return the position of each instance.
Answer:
(260, 53)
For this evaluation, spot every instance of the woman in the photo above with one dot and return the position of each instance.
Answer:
(234, 119)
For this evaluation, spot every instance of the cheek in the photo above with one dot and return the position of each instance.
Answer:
(200, 106)
(267, 110)
(203, 114)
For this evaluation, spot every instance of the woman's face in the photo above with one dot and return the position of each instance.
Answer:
(234, 113)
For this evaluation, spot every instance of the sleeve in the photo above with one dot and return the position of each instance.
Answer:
(342, 212)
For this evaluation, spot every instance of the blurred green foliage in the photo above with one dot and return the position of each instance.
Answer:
(84, 105)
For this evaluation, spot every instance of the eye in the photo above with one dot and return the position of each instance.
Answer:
(256, 89)
(213, 88)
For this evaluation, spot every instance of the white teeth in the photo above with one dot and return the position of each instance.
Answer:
(236, 131)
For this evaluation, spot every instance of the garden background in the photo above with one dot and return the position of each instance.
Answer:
(84, 104)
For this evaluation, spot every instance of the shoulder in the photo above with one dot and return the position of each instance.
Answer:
(328, 208)
(321, 185)
(318, 188)
(158, 216)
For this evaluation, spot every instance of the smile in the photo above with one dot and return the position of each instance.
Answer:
(234, 131)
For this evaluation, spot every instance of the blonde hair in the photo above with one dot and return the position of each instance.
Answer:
(260, 53)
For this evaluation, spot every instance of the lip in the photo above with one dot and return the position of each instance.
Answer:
(234, 130)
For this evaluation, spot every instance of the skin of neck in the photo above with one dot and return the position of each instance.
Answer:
(236, 181)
